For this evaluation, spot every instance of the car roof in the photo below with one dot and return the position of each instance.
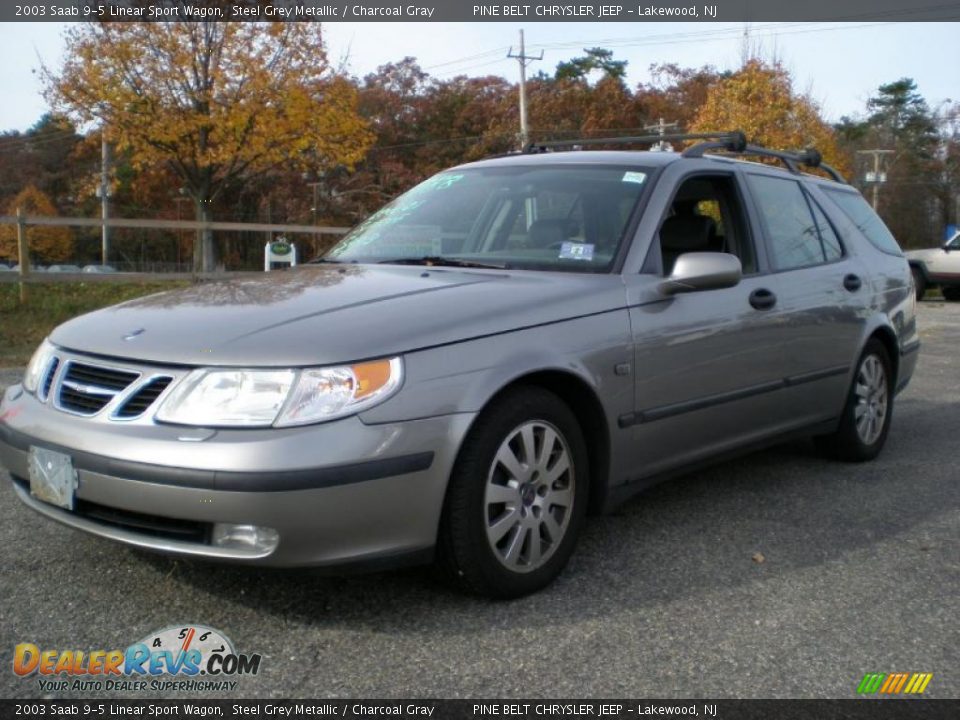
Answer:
(618, 158)
(632, 158)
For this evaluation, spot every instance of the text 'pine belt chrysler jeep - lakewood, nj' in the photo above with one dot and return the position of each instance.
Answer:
(506, 346)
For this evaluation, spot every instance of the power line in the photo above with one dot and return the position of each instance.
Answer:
(27, 141)
(733, 33)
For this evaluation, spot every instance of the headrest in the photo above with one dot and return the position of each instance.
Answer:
(687, 233)
(547, 232)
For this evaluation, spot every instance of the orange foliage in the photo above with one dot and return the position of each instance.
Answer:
(46, 243)
(759, 100)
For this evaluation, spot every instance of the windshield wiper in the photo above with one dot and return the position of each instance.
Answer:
(440, 261)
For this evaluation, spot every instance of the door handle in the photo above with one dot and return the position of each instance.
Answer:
(762, 299)
(852, 282)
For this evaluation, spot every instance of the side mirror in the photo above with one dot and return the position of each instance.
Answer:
(696, 271)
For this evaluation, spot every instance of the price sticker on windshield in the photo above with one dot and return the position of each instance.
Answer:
(576, 251)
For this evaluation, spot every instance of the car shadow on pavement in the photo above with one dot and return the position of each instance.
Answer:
(753, 520)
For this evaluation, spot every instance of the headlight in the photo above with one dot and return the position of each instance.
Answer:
(228, 398)
(37, 366)
(260, 398)
(328, 393)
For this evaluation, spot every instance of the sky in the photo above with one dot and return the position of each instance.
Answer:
(839, 64)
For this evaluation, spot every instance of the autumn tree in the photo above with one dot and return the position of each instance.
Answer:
(42, 156)
(217, 103)
(919, 196)
(46, 243)
(674, 93)
(759, 99)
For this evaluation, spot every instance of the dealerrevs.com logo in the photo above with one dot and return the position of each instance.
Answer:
(185, 657)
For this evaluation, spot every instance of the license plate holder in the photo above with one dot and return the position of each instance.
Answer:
(53, 478)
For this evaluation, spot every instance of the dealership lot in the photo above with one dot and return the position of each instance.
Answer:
(860, 573)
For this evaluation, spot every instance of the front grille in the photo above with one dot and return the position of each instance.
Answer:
(86, 389)
(141, 523)
(100, 376)
(143, 398)
(48, 379)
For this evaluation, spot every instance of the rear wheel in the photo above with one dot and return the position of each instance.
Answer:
(517, 496)
(951, 293)
(866, 416)
(919, 282)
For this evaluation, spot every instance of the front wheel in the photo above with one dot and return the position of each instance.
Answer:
(517, 496)
(866, 416)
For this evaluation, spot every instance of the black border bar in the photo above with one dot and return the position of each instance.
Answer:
(522, 11)
(539, 709)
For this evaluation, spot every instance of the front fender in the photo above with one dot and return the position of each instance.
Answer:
(463, 377)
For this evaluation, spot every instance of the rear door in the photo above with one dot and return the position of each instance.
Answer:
(823, 294)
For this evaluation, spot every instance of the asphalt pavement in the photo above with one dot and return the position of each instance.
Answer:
(781, 574)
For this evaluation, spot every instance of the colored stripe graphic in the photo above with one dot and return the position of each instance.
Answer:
(871, 683)
(894, 683)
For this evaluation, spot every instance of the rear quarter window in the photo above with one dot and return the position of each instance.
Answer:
(867, 221)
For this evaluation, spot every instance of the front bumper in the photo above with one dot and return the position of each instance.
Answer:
(342, 492)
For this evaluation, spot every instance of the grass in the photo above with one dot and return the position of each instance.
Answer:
(24, 326)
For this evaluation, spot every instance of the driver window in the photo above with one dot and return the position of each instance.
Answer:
(706, 216)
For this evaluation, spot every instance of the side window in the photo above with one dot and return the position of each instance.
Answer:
(832, 249)
(794, 234)
(706, 215)
(867, 221)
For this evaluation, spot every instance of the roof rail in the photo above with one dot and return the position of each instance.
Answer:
(730, 141)
(810, 158)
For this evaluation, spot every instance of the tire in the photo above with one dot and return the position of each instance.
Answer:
(868, 411)
(919, 282)
(508, 527)
(952, 294)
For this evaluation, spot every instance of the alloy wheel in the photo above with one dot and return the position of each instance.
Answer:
(528, 499)
(871, 392)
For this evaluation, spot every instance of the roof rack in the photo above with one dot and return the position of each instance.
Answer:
(810, 158)
(731, 142)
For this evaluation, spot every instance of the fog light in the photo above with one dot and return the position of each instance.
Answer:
(245, 537)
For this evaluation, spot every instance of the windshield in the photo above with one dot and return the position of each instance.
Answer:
(564, 217)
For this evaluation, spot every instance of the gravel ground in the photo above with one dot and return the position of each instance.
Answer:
(860, 573)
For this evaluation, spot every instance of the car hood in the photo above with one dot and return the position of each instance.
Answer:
(326, 314)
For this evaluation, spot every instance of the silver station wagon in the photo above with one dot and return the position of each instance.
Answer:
(509, 345)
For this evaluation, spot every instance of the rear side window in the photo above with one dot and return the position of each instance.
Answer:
(799, 234)
(832, 249)
(866, 220)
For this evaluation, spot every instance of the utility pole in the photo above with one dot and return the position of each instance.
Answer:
(104, 196)
(23, 253)
(876, 177)
(315, 186)
(179, 201)
(661, 127)
(524, 60)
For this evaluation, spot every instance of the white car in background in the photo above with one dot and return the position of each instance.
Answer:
(937, 267)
